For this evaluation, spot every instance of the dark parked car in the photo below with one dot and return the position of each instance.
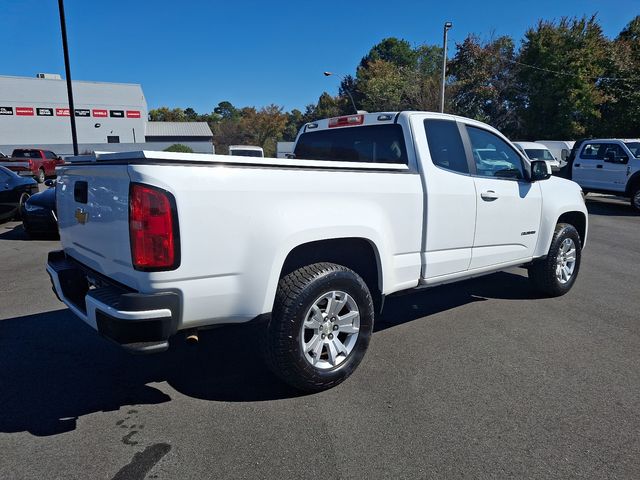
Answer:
(39, 214)
(14, 191)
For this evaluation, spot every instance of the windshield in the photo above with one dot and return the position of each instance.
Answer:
(375, 144)
(246, 153)
(539, 154)
(634, 147)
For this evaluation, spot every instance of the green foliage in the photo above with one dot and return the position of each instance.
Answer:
(483, 83)
(621, 113)
(179, 147)
(566, 104)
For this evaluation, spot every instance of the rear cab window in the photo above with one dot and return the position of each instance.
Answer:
(26, 154)
(369, 144)
(445, 145)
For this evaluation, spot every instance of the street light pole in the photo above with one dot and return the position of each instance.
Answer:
(447, 26)
(328, 74)
(67, 69)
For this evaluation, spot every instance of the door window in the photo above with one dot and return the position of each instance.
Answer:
(445, 145)
(493, 156)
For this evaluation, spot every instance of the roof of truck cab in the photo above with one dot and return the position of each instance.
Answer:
(382, 118)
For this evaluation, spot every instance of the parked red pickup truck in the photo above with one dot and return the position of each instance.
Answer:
(33, 162)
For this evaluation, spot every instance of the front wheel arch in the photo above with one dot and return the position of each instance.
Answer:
(579, 221)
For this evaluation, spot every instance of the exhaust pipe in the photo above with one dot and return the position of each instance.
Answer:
(192, 337)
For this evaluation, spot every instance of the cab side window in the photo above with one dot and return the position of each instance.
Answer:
(493, 156)
(445, 145)
(592, 151)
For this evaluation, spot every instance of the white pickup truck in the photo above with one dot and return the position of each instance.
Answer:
(610, 166)
(156, 243)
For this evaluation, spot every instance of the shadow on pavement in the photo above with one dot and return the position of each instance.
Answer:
(610, 206)
(11, 231)
(55, 369)
(406, 307)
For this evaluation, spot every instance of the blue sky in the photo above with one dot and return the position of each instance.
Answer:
(198, 53)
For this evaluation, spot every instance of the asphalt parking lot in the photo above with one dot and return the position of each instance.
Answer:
(480, 379)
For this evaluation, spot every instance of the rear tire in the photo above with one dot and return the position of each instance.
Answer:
(41, 176)
(635, 198)
(556, 274)
(320, 326)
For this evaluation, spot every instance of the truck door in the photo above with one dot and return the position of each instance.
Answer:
(588, 165)
(509, 206)
(614, 171)
(450, 197)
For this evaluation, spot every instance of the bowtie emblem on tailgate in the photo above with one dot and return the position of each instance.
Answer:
(81, 215)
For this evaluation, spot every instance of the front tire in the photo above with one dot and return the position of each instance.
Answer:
(320, 326)
(555, 275)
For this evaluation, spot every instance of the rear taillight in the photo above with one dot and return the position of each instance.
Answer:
(153, 228)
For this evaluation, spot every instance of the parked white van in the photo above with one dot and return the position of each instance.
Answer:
(246, 151)
(560, 149)
(538, 151)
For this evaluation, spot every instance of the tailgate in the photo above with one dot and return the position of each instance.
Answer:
(93, 218)
(17, 166)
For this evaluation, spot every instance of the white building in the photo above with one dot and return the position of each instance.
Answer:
(34, 112)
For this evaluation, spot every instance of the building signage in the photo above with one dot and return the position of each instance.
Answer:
(24, 111)
(65, 112)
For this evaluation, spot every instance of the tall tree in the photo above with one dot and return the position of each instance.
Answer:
(561, 98)
(621, 111)
(484, 84)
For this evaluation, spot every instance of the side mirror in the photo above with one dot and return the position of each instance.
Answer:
(540, 170)
(50, 183)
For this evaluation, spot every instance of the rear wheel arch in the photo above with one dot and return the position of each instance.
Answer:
(633, 183)
(356, 253)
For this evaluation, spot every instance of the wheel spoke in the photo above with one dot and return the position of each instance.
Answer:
(340, 347)
(314, 345)
(316, 319)
(335, 304)
(347, 319)
(332, 351)
(571, 255)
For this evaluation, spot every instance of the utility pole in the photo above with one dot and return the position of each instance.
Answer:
(447, 26)
(67, 69)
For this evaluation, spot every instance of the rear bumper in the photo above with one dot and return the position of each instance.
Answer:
(139, 322)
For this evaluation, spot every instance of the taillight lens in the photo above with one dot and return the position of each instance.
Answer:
(152, 228)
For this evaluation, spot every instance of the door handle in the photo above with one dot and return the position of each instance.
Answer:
(489, 195)
(576, 164)
(598, 166)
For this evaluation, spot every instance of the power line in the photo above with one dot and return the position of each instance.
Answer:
(557, 72)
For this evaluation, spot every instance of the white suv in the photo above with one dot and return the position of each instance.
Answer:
(609, 166)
